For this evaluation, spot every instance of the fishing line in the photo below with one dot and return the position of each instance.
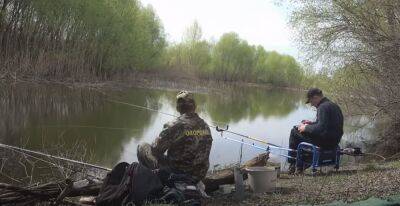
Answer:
(216, 127)
(27, 152)
(142, 107)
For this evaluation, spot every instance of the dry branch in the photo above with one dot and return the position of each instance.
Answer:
(55, 192)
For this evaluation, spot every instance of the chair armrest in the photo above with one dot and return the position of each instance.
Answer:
(307, 145)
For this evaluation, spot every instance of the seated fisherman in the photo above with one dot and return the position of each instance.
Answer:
(325, 132)
(186, 141)
(167, 178)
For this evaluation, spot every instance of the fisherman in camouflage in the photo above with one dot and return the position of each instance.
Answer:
(187, 141)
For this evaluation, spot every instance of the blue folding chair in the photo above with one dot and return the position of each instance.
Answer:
(309, 154)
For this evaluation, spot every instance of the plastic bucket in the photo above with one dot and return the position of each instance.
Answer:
(262, 179)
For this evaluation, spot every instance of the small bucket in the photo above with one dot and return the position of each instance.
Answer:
(262, 179)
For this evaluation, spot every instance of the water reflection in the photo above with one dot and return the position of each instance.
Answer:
(25, 106)
(248, 103)
(46, 115)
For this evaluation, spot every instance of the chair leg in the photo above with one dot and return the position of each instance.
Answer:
(337, 159)
(336, 165)
(314, 172)
(315, 161)
(299, 158)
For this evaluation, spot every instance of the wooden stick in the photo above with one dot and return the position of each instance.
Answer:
(65, 191)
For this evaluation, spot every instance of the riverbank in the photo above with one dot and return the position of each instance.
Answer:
(349, 184)
(164, 80)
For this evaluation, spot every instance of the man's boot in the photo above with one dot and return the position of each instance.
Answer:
(299, 170)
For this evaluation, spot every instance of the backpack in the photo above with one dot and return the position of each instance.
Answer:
(129, 184)
(133, 184)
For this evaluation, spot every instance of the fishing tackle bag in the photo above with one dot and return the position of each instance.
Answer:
(129, 184)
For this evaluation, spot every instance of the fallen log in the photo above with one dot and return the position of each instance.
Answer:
(225, 176)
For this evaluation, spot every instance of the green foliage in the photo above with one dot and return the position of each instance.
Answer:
(97, 35)
(192, 55)
(231, 59)
(321, 79)
(58, 38)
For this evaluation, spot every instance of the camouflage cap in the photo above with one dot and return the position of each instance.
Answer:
(185, 102)
(184, 95)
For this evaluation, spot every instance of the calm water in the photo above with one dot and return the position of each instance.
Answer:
(55, 118)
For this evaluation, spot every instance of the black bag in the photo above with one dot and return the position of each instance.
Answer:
(145, 186)
(180, 189)
(128, 183)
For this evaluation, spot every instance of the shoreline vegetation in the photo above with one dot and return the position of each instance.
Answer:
(153, 81)
(356, 45)
(67, 41)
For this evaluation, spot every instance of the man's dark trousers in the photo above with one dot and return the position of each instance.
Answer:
(295, 139)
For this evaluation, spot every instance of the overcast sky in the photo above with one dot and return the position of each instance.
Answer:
(259, 22)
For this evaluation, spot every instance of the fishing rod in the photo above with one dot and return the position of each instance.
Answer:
(24, 151)
(142, 107)
(216, 127)
(265, 149)
(248, 137)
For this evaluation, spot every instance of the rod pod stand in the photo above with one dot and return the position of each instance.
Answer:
(239, 186)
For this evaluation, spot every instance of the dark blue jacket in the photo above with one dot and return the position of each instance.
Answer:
(329, 125)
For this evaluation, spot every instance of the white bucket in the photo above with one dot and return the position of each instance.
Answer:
(262, 179)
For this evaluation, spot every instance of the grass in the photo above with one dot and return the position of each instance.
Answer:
(394, 164)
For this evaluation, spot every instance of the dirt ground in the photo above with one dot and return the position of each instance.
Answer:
(349, 184)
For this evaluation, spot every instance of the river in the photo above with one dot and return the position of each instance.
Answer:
(57, 119)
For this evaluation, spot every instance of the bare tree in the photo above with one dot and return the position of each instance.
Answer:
(359, 40)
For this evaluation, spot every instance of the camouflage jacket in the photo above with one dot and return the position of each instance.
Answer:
(187, 141)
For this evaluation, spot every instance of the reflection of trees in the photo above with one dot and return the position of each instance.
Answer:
(44, 115)
(238, 103)
(23, 106)
(109, 142)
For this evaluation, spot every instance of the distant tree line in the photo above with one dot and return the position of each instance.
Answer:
(97, 39)
(231, 59)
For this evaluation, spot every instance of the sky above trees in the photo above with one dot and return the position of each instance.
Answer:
(260, 22)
